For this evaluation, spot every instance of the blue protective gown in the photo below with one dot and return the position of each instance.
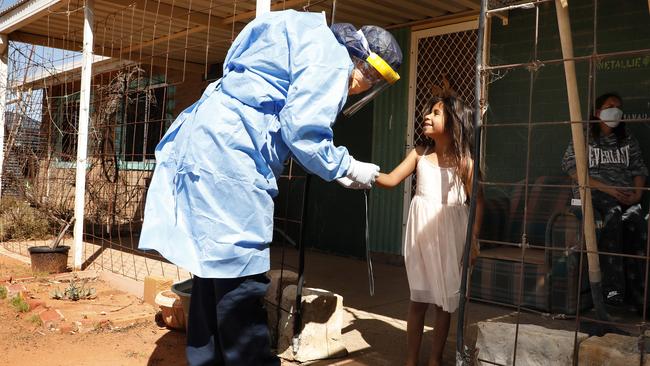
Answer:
(209, 207)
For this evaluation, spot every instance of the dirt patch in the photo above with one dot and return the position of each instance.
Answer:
(114, 328)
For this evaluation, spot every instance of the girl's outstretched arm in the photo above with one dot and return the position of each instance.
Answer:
(403, 170)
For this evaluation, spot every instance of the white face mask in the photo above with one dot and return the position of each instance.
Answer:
(611, 116)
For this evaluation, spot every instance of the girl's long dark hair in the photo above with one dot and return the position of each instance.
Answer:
(459, 120)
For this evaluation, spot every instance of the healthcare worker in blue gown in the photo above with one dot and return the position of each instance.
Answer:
(209, 207)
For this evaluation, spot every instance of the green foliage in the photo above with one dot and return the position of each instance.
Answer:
(56, 294)
(19, 304)
(20, 221)
(74, 292)
(36, 320)
(3, 292)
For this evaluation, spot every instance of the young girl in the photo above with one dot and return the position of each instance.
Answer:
(437, 221)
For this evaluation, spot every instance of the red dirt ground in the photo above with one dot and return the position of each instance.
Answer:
(97, 332)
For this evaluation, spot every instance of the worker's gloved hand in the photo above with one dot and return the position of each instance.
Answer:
(350, 184)
(362, 173)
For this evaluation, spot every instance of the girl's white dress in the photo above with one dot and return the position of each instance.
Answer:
(435, 236)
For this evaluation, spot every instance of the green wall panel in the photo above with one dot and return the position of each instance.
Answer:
(621, 26)
(335, 216)
(388, 141)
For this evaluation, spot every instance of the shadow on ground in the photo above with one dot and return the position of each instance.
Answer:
(170, 350)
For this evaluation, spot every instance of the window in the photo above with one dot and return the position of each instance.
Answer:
(144, 124)
(66, 122)
(135, 130)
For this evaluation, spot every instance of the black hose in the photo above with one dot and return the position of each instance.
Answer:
(461, 357)
(371, 276)
(297, 320)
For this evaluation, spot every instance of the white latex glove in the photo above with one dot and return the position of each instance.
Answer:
(350, 184)
(362, 173)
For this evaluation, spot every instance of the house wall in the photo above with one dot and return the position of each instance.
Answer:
(621, 26)
(108, 201)
(187, 89)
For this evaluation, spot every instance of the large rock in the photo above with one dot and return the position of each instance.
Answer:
(273, 295)
(322, 317)
(536, 345)
(611, 350)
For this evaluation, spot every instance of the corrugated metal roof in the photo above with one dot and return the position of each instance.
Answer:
(188, 34)
(12, 7)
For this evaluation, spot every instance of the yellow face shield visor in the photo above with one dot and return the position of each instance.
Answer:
(383, 68)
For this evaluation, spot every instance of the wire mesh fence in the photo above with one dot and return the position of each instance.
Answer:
(534, 252)
(444, 61)
(151, 60)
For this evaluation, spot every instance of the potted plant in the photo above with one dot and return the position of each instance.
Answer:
(51, 258)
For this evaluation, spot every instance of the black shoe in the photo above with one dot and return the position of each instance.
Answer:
(614, 298)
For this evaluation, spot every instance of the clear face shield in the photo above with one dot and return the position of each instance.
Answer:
(378, 74)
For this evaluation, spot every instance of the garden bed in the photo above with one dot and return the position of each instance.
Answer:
(110, 328)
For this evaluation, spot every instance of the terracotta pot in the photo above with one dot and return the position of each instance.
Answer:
(184, 291)
(172, 309)
(47, 260)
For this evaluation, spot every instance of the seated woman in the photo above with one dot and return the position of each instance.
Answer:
(617, 175)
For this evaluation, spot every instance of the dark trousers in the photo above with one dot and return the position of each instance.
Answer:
(227, 323)
(622, 233)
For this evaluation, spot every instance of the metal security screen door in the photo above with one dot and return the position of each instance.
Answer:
(437, 54)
